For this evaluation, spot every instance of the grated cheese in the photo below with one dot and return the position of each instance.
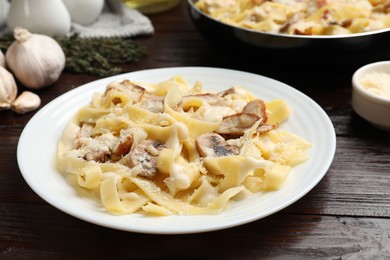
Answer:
(377, 83)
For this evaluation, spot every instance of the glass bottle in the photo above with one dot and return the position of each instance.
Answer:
(151, 6)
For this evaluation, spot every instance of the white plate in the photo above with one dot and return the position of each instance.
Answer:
(38, 144)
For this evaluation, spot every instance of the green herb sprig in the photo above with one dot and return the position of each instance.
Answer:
(94, 56)
(99, 56)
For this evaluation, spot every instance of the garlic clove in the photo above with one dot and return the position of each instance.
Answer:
(26, 102)
(36, 60)
(8, 89)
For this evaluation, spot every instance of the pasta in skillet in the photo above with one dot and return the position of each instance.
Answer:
(172, 148)
(301, 17)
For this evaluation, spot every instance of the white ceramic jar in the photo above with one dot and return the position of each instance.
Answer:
(372, 106)
(49, 17)
(84, 12)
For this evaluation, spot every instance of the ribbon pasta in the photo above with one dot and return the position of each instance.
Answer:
(170, 148)
(303, 17)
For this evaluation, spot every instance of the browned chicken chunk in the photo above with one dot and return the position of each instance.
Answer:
(97, 156)
(85, 132)
(145, 155)
(123, 145)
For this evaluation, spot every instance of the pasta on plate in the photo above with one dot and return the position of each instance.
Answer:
(171, 148)
(301, 17)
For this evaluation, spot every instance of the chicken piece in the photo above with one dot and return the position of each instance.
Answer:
(97, 156)
(144, 156)
(98, 149)
(258, 108)
(214, 145)
(85, 132)
(123, 146)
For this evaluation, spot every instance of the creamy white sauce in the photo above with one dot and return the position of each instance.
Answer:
(213, 113)
(178, 179)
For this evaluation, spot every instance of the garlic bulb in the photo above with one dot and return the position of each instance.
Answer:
(36, 60)
(26, 102)
(8, 89)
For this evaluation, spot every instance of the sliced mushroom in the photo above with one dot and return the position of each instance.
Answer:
(264, 128)
(133, 88)
(236, 124)
(153, 103)
(257, 107)
(214, 145)
(228, 91)
(145, 156)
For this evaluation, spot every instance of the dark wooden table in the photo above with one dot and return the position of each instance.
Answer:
(346, 216)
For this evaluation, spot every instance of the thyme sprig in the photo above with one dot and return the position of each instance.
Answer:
(99, 56)
(94, 56)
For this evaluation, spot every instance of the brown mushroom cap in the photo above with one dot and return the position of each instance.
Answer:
(236, 124)
(214, 145)
(257, 107)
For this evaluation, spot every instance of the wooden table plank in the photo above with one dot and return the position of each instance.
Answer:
(293, 236)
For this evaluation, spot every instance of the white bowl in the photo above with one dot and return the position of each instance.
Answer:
(84, 12)
(373, 107)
